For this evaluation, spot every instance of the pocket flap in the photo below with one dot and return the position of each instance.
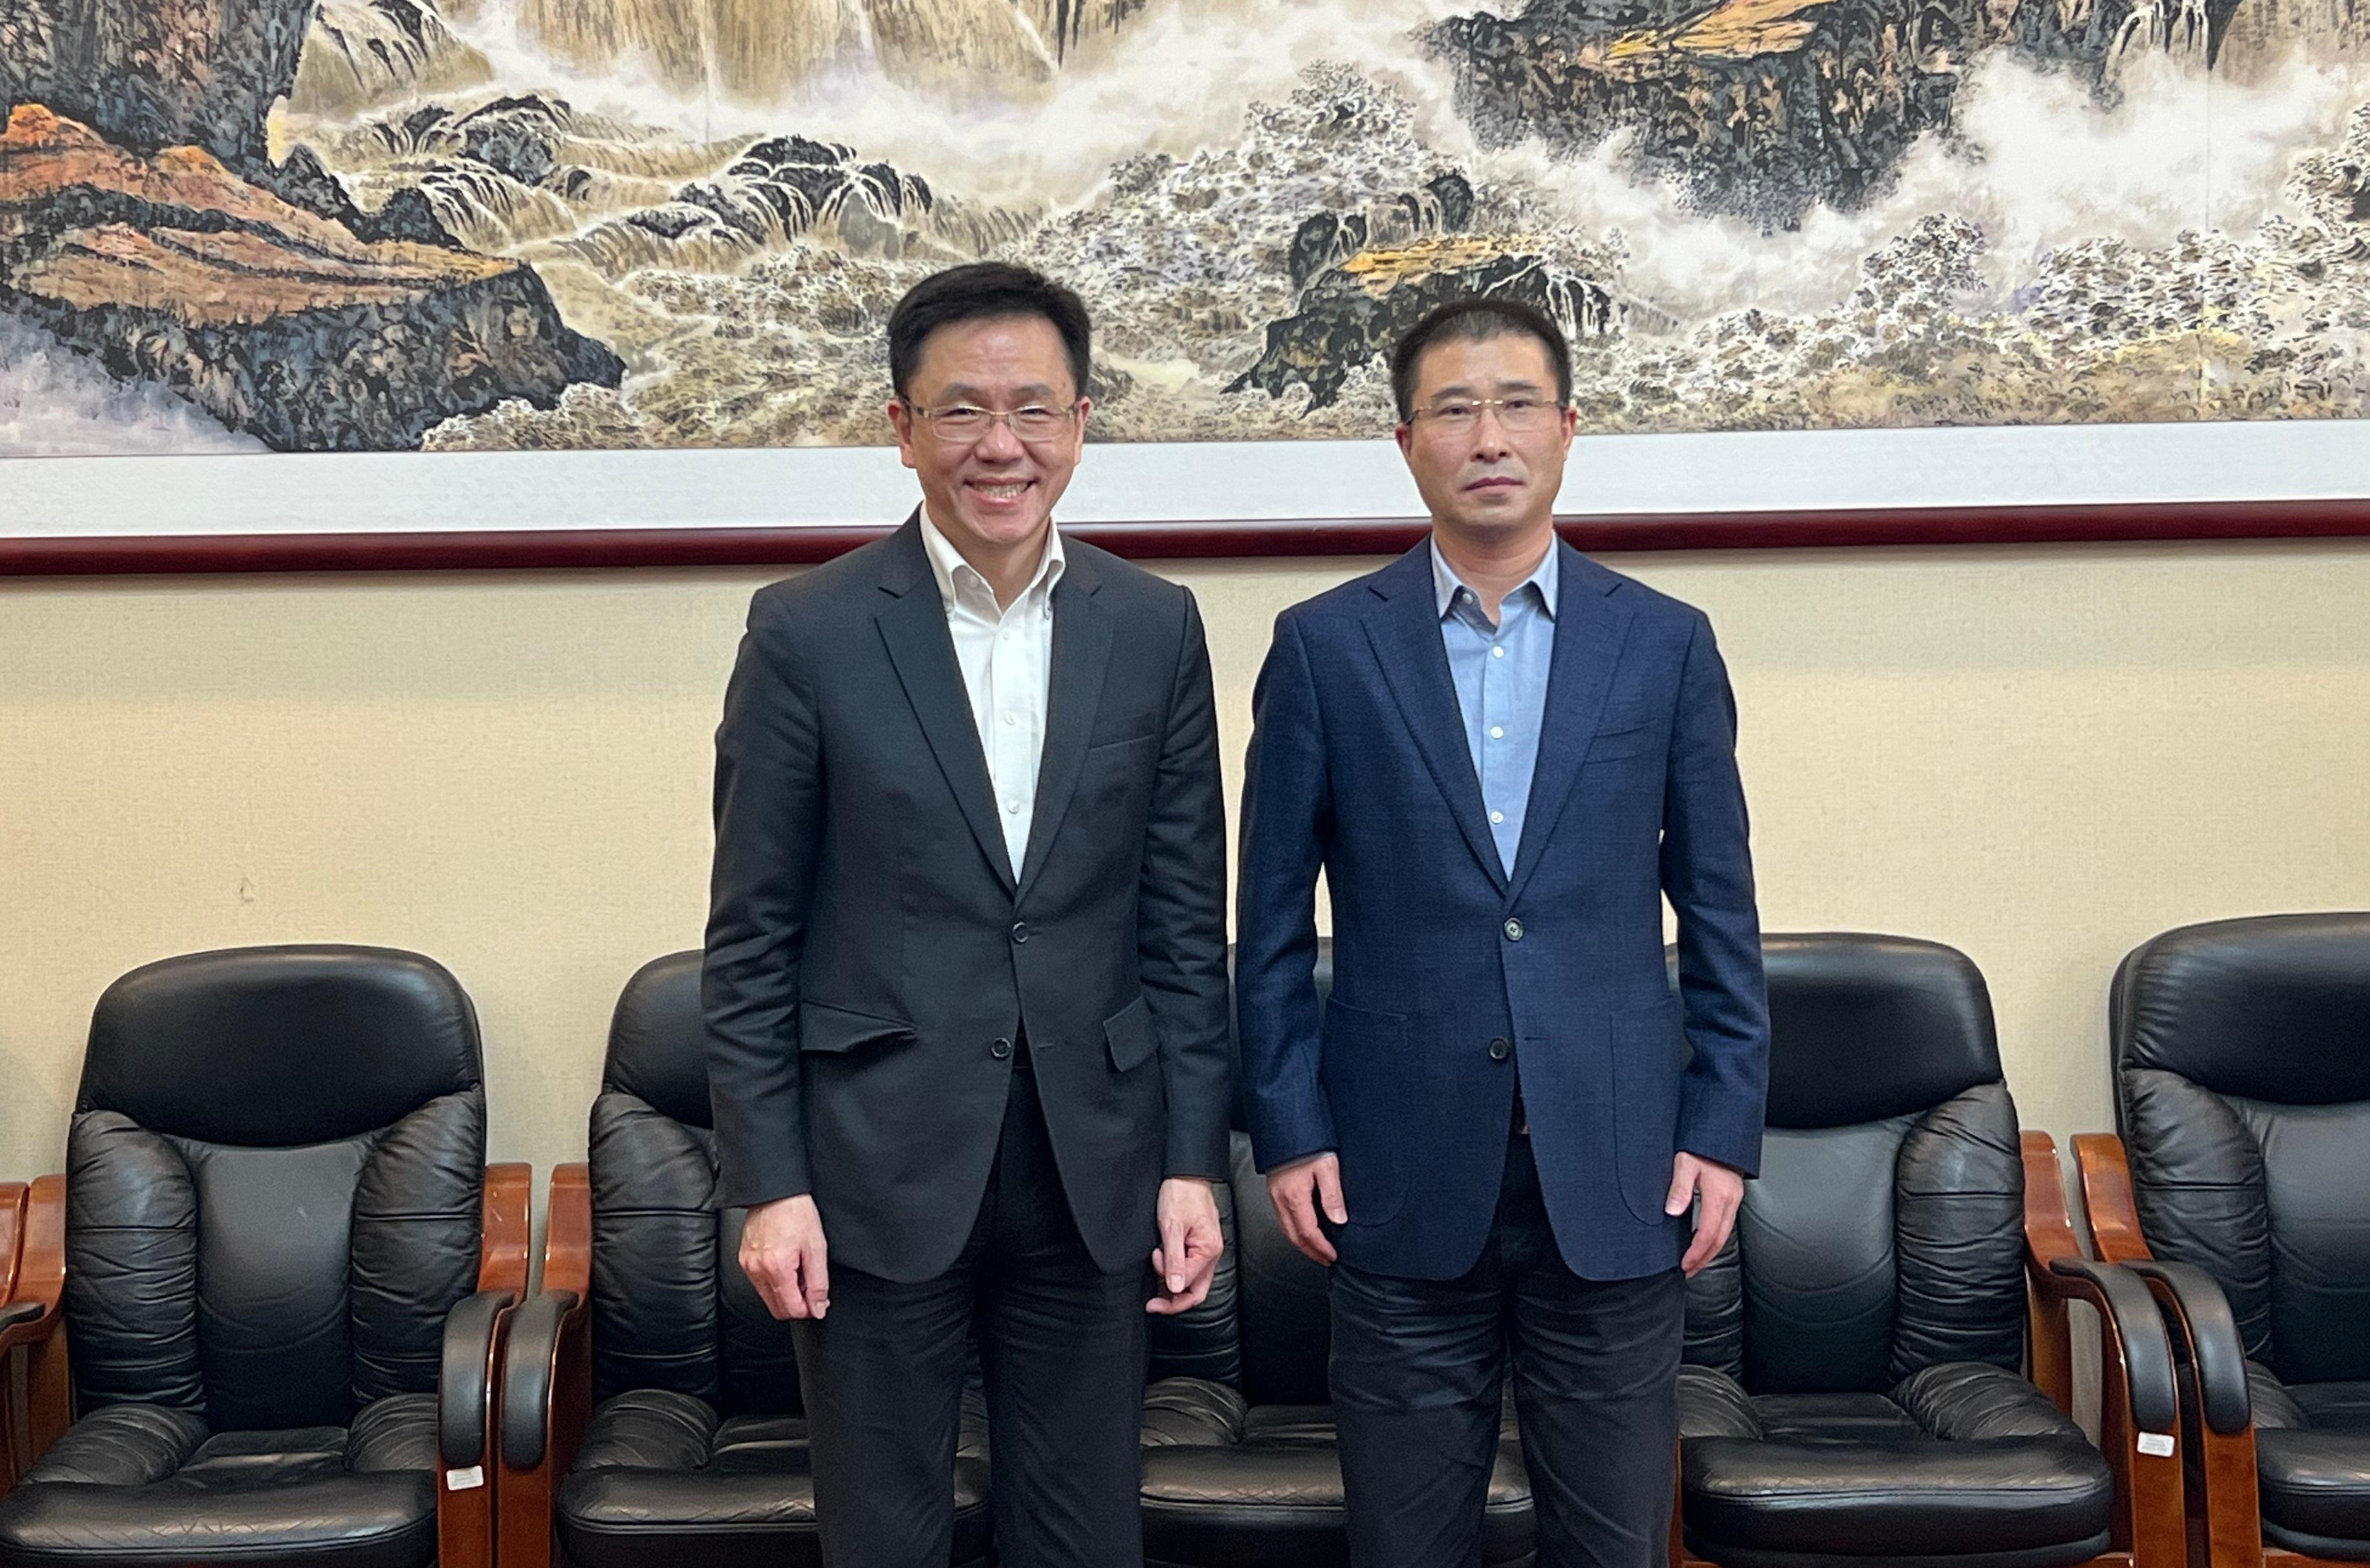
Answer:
(825, 1028)
(1129, 1033)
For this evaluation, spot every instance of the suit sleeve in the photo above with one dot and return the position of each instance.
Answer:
(1286, 820)
(1182, 918)
(768, 833)
(1708, 876)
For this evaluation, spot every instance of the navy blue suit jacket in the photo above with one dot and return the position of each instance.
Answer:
(1450, 977)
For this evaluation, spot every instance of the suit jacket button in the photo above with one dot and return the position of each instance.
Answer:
(1000, 1050)
(1020, 930)
(1500, 1049)
(1514, 930)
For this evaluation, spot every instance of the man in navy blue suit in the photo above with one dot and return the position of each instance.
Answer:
(1504, 757)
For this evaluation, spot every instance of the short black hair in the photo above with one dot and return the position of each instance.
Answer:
(980, 291)
(1477, 320)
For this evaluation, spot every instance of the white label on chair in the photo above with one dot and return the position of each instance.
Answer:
(2156, 1445)
(469, 1476)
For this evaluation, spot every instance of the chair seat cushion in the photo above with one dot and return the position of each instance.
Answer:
(2312, 1458)
(135, 1484)
(661, 1472)
(1961, 1461)
(1232, 1485)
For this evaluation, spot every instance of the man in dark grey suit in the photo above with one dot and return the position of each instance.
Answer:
(965, 983)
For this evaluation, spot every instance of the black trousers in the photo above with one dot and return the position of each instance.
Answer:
(1062, 1348)
(1418, 1374)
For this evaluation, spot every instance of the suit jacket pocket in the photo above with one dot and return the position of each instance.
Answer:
(1648, 1044)
(823, 1027)
(1129, 1034)
(1367, 1073)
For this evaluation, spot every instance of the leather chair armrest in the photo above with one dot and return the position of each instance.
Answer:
(546, 1400)
(2139, 1405)
(466, 1390)
(2224, 1429)
(531, 1372)
(2195, 1306)
(465, 1382)
(2123, 1299)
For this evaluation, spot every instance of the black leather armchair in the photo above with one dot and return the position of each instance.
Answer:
(1240, 1466)
(284, 1268)
(650, 1402)
(1853, 1390)
(2240, 1188)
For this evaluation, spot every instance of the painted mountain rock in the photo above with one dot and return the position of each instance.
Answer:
(1758, 108)
(167, 268)
(1349, 315)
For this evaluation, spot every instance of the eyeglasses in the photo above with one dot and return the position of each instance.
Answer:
(961, 424)
(1461, 416)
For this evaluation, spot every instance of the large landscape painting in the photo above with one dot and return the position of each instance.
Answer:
(457, 225)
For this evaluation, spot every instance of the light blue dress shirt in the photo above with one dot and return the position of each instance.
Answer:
(1502, 686)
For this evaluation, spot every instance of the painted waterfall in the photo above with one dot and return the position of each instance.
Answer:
(355, 225)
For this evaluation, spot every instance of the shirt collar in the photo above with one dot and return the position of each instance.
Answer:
(952, 571)
(1446, 582)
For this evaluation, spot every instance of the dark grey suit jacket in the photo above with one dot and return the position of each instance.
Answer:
(873, 955)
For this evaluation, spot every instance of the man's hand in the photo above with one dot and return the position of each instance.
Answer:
(1297, 1190)
(1186, 1257)
(782, 1253)
(1721, 1191)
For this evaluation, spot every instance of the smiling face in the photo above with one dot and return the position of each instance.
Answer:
(994, 496)
(1487, 482)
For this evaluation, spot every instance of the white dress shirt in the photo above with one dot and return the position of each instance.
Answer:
(1006, 654)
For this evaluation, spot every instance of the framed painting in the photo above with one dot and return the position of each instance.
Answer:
(416, 282)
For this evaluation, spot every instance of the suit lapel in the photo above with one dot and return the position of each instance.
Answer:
(1081, 642)
(914, 625)
(1591, 627)
(1405, 630)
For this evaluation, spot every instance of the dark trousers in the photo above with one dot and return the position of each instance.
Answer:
(1062, 1348)
(1417, 1372)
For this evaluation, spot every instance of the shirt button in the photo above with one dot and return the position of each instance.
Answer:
(1000, 1050)
(1499, 1049)
(1497, 731)
(1497, 650)
(1497, 816)
(1011, 808)
(1514, 930)
(1020, 930)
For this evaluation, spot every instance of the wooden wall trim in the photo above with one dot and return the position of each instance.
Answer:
(495, 550)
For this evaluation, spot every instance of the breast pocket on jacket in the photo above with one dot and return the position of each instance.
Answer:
(1644, 740)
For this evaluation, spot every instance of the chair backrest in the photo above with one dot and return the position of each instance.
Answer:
(1266, 1326)
(670, 1307)
(1885, 1233)
(2242, 1087)
(275, 1183)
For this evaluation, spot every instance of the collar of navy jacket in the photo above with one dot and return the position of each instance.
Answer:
(1591, 625)
(914, 625)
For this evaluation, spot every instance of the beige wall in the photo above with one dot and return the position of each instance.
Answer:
(2040, 755)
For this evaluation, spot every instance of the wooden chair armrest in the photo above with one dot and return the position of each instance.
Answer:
(508, 1228)
(2106, 1175)
(567, 1234)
